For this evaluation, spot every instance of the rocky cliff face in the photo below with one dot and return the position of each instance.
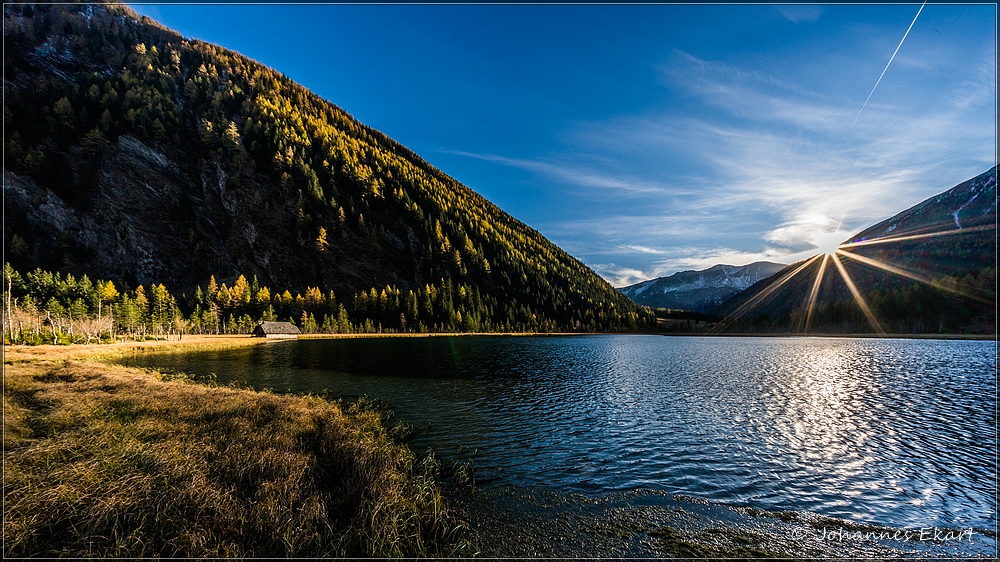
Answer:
(152, 216)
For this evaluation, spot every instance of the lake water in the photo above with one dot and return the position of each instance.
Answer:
(886, 431)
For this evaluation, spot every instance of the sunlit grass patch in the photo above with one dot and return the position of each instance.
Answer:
(110, 461)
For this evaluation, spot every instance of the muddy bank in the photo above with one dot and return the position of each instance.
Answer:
(509, 521)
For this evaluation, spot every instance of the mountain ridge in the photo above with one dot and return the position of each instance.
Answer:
(969, 201)
(136, 155)
(699, 290)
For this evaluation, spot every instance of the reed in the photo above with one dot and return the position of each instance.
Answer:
(108, 461)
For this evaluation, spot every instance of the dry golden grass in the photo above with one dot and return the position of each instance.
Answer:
(21, 353)
(104, 460)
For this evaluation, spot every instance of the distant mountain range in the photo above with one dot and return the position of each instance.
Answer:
(699, 291)
(930, 268)
(136, 155)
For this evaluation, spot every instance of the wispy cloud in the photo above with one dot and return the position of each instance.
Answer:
(798, 14)
(570, 174)
(980, 89)
(720, 83)
(633, 248)
(620, 276)
(649, 235)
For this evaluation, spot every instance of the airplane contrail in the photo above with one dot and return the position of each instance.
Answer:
(888, 63)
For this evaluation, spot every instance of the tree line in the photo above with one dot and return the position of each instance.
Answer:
(51, 307)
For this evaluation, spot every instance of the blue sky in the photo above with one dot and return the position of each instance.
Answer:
(646, 140)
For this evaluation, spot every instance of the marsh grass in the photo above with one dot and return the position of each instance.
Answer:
(109, 461)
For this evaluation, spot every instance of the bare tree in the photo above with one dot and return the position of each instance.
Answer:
(9, 320)
(92, 328)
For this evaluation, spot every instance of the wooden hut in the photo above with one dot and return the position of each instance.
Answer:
(276, 330)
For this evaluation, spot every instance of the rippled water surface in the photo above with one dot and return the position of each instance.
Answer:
(893, 432)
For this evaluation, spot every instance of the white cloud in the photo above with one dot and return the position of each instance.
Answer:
(980, 89)
(632, 248)
(706, 258)
(619, 276)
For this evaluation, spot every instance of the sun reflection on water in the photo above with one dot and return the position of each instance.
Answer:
(824, 404)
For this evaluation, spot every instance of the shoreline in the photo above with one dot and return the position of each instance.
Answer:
(452, 334)
(509, 521)
(194, 342)
(984, 337)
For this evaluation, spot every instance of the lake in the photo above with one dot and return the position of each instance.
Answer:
(895, 432)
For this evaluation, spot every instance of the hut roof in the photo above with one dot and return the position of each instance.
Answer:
(278, 328)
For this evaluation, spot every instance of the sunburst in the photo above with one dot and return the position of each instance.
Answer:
(843, 251)
(857, 296)
(811, 304)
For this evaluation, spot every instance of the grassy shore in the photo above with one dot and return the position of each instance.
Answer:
(108, 461)
(449, 335)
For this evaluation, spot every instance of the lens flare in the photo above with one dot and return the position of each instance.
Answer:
(903, 238)
(810, 303)
(815, 292)
(914, 276)
(857, 296)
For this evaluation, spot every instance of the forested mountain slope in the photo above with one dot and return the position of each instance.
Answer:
(135, 155)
